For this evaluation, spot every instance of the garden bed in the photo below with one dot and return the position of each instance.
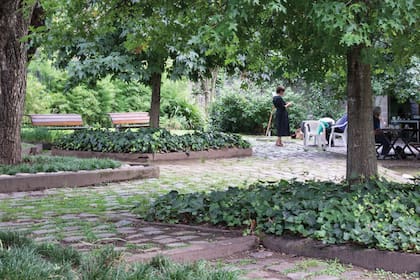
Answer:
(40, 181)
(151, 145)
(158, 157)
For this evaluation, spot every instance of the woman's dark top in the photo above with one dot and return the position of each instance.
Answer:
(282, 117)
(376, 123)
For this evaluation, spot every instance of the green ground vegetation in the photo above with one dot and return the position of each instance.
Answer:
(376, 214)
(49, 92)
(41, 135)
(148, 140)
(44, 163)
(21, 258)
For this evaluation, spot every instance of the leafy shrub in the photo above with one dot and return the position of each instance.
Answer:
(374, 214)
(247, 113)
(177, 106)
(48, 93)
(147, 140)
(239, 113)
(41, 135)
(42, 163)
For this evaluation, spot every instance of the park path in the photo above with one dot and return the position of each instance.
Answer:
(90, 217)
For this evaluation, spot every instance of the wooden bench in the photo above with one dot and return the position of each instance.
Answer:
(130, 120)
(57, 121)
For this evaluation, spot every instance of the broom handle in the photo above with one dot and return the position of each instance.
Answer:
(269, 122)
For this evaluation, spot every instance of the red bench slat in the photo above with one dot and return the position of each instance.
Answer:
(56, 120)
(134, 118)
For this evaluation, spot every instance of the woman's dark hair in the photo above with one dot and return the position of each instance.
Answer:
(279, 89)
(377, 111)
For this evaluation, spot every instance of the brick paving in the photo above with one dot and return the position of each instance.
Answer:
(117, 225)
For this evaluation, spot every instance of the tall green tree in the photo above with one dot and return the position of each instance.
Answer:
(16, 18)
(308, 39)
(130, 40)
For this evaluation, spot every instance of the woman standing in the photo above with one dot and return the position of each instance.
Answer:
(282, 117)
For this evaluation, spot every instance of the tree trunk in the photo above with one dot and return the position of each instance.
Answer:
(208, 87)
(156, 81)
(361, 155)
(14, 24)
(214, 75)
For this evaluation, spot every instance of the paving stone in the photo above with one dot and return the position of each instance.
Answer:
(49, 239)
(159, 237)
(72, 239)
(325, 277)
(176, 245)
(123, 223)
(259, 275)
(298, 275)
(139, 241)
(151, 232)
(71, 228)
(104, 235)
(181, 232)
(261, 254)
(69, 217)
(269, 261)
(187, 237)
(148, 250)
(352, 274)
(134, 236)
(91, 220)
(48, 226)
(127, 230)
(149, 228)
(198, 242)
(166, 241)
(25, 219)
(250, 266)
(43, 231)
(281, 267)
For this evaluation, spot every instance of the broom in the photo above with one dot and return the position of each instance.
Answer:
(268, 131)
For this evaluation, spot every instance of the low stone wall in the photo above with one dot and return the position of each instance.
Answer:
(41, 181)
(158, 157)
(398, 262)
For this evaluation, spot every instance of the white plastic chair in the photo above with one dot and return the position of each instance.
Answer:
(311, 132)
(335, 135)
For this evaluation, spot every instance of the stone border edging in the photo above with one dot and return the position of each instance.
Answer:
(158, 157)
(191, 227)
(214, 250)
(372, 259)
(41, 181)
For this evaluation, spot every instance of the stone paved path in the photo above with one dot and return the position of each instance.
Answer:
(86, 218)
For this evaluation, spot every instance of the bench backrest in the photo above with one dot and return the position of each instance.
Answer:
(56, 120)
(130, 118)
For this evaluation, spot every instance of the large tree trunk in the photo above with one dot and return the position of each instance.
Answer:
(361, 156)
(156, 81)
(14, 24)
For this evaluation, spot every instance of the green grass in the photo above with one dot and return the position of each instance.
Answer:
(21, 258)
(43, 163)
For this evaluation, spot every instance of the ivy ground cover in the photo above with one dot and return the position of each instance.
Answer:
(148, 140)
(376, 214)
